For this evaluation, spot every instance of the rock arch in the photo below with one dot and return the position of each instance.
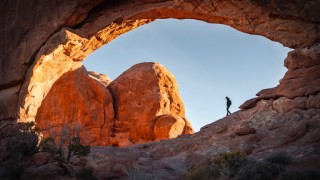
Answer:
(43, 40)
(78, 28)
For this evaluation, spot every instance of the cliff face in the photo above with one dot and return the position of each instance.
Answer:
(36, 52)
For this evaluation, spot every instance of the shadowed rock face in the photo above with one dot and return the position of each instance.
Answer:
(36, 52)
(145, 105)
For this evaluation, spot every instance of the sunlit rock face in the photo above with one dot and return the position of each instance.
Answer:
(145, 105)
(77, 105)
(168, 126)
(141, 94)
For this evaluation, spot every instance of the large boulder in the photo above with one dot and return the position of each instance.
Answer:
(142, 93)
(167, 127)
(77, 104)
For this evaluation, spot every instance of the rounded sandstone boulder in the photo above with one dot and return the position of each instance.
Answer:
(168, 126)
(141, 94)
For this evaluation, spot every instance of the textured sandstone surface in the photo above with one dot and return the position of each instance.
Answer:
(142, 93)
(168, 126)
(77, 105)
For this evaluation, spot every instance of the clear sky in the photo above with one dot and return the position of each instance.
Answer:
(209, 61)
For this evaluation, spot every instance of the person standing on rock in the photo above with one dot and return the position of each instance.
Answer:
(228, 105)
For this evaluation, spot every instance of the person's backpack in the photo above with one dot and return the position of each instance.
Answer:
(229, 102)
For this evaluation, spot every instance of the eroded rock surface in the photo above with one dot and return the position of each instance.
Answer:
(168, 126)
(142, 93)
(77, 105)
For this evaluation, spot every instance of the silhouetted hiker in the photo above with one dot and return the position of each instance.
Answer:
(228, 105)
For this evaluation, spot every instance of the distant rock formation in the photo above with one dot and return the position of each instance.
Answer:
(145, 105)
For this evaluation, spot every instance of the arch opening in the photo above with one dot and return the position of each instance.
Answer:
(209, 61)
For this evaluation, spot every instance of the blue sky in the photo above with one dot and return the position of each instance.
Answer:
(209, 61)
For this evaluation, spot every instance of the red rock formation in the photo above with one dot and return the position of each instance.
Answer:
(77, 105)
(142, 93)
(28, 42)
(167, 127)
(36, 52)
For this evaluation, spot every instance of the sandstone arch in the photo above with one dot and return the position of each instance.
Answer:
(51, 43)
(37, 51)
(42, 40)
